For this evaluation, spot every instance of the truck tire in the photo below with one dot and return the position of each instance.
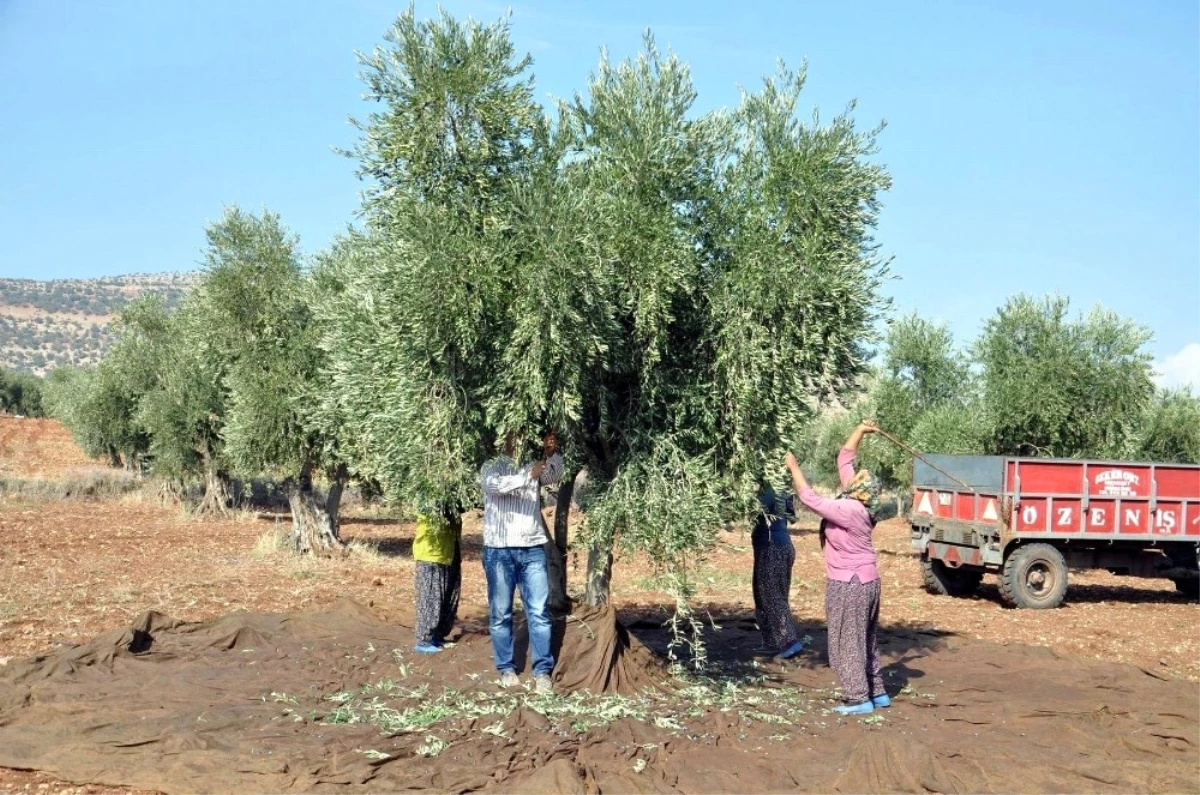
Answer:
(941, 579)
(1034, 576)
(1188, 588)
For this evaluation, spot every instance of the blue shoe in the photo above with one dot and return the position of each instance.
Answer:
(882, 702)
(790, 651)
(855, 709)
(427, 648)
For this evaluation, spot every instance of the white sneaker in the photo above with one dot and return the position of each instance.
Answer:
(542, 684)
(509, 679)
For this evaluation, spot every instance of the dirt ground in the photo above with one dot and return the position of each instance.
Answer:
(37, 448)
(71, 570)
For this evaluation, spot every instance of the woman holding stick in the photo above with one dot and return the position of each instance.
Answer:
(852, 590)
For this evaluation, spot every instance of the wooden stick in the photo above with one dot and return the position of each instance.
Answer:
(915, 454)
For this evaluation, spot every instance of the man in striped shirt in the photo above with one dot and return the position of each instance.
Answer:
(513, 555)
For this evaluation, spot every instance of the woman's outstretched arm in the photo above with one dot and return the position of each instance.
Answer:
(856, 435)
(845, 459)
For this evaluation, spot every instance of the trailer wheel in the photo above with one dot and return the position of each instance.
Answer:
(1034, 576)
(941, 579)
(1189, 588)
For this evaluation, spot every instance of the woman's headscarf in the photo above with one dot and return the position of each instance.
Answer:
(865, 488)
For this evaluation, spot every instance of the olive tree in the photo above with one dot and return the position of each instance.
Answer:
(94, 408)
(923, 381)
(253, 294)
(183, 410)
(413, 309)
(100, 404)
(1170, 428)
(21, 393)
(672, 291)
(1065, 387)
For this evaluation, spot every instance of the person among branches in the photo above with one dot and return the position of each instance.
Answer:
(774, 555)
(513, 555)
(852, 591)
(436, 550)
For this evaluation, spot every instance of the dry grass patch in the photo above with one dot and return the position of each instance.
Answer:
(82, 484)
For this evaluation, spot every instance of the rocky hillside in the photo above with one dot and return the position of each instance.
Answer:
(44, 325)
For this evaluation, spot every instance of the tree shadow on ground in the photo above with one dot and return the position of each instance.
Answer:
(351, 521)
(401, 546)
(1090, 593)
(734, 646)
(1132, 594)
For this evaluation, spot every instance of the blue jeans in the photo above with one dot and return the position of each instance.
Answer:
(509, 568)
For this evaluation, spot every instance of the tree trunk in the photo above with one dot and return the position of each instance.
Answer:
(599, 575)
(312, 531)
(216, 491)
(171, 492)
(556, 547)
(453, 517)
(333, 500)
(114, 458)
(600, 559)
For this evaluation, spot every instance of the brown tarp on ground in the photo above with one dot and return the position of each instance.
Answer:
(232, 706)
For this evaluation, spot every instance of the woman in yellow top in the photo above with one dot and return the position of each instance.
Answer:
(438, 577)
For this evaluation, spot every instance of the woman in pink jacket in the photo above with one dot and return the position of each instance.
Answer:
(852, 587)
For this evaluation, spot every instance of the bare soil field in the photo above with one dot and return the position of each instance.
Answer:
(1113, 670)
(40, 449)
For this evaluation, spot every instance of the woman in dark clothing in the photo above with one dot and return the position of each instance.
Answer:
(774, 555)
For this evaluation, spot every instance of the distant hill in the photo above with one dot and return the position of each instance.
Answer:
(44, 325)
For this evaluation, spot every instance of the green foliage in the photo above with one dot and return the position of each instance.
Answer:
(458, 119)
(921, 374)
(57, 392)
(921, 359)
(1060, 387)
(827, 434)
(101, 405)
(1170, 428)
(823, 440)
(954, 427)
(252, 295)
(666, 483)
(798, 275)
(414, 312)
(644, 279)
(674, 292)
(1079, 387)
(183, 411)
(94, 407)
(21, 393)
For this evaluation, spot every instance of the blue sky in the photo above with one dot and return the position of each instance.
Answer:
(1034, 146)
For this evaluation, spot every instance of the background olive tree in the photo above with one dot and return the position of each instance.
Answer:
(183, 410)
(1057, 386)
(923, 381)
(255, 299)
(1036, 382)
(100, 405)
(1169, 429)
(21, 393)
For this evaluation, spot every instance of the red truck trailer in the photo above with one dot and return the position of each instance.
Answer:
(1028, 520)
